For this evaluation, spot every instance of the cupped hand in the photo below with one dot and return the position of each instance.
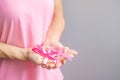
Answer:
(50, 64)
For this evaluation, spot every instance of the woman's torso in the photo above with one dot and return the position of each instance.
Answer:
(24, 23)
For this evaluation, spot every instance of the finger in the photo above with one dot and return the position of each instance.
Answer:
(66, 48)
(43, 65)
(48, 66)
(72, 52)
(63, 62)
(75, 52)
(51, 64)
(45, 60)
(58, 65)
(36, 58)
(46, 63)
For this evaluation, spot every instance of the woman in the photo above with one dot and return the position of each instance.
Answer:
(23, 24)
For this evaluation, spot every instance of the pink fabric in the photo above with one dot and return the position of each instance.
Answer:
(24, 23)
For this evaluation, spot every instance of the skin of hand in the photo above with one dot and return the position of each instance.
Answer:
(57, 45)
(15, 53)
(54, 34)
(55, 30)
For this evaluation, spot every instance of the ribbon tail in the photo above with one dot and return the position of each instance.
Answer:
(66, 56)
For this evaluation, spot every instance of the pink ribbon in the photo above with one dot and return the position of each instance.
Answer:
(51, 53)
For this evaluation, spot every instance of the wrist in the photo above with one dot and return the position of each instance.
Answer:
(51, 40)
(52, 43)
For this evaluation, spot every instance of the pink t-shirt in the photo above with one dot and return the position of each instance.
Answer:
(24, 23)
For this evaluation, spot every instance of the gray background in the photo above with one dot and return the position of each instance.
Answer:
(93, 29)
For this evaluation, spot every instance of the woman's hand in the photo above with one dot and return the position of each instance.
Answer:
(53, 36)
(15, 53)
(57, 45)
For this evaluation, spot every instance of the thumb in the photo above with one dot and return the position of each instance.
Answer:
(34, 57)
